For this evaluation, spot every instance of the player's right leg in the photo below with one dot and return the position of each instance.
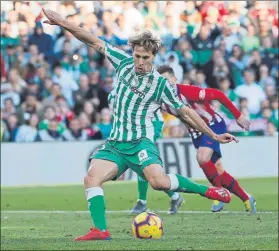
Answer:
(105, 165)
(176, 200)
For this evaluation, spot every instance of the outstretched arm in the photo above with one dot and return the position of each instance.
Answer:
(88, 38)
(196, 94)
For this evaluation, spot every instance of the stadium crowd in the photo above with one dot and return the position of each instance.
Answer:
(54, 88)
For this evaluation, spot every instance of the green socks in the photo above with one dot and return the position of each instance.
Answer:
(182, 184)
(170, 193)
(142, 188)
(96, 206)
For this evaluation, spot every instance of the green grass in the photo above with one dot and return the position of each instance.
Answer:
(187, 231)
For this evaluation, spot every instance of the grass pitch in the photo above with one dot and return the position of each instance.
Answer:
(195, 228)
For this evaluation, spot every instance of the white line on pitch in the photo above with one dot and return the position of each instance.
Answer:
(127, 211)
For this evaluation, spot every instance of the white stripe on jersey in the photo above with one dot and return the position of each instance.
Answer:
(128, 113)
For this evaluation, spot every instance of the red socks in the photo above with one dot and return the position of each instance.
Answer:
(211, 173)
(233, 186)
(224, 180)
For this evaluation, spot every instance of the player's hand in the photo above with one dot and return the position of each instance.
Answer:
(54, 18)
(226, 138)
(243, 123)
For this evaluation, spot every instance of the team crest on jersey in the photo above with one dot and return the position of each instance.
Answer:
(202, 94)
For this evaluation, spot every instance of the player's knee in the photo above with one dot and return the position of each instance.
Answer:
(92, 178)
(202, 158)
(158, 183)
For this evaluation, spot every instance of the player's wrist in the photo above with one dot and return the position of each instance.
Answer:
(215, 137)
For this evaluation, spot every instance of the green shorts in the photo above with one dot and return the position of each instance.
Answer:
(135, 155)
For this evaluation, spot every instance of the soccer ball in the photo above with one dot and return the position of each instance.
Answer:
(147, 226)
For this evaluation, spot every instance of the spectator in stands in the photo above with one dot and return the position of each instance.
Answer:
(13, 88)
(64, 79)
(255, 62)
(269, 52)
(28, 131)
(203, 45)
(251, 41)
(265, 78)
(51, 134)
(64, 54)
(75, 133)
(271, 130)
(55, 91)
(105, 125)
(12, 127)
(266, 113)
(8, 109)
(90, 111)
(252, 91)
(46, 88)
(173, 62)
(86, 125)
(200, 80)
(29, 106)
(224, 86)
(10, 56)
(48, 115)
(237, 65)
(75, 44)
(80, 94)
(96, 94)
(43, 41)
(270, 91)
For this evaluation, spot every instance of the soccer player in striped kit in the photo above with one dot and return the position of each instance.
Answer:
(208, 150)
(140, 91)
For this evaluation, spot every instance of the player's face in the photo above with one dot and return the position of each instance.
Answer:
(170, 77)
(143, 59)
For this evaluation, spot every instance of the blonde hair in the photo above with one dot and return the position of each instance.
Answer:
(147, 40)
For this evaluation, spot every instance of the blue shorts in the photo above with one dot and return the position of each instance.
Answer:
(205, 141)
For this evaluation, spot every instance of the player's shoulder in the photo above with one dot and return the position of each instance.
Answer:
(159, 78)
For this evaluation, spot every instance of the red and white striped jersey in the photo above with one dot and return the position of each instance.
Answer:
(199, 100)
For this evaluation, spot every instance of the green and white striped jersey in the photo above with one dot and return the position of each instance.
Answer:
(111, 97)
(137, 98)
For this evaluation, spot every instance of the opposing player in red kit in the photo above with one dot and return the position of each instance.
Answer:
(208, 150)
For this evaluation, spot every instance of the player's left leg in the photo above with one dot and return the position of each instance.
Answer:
(142, 195)
(233, 186)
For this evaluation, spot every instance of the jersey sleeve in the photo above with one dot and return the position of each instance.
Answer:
(196, 94)
(192, 93)
(170, 97)
(115, 55)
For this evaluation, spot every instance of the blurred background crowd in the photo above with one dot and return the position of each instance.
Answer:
(54, 88)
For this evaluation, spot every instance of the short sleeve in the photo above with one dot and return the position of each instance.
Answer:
(115, 55)
(170, 97)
